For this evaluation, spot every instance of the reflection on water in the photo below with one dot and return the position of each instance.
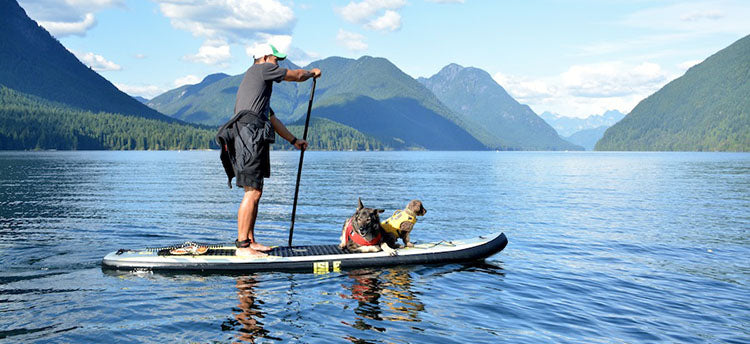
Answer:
(381, 296)
(366, 291)
(247, 316)
(399, 298)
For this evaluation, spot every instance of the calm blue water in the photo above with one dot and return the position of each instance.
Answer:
(604, 248)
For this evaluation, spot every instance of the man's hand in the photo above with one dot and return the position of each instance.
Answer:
(316, 72)
(300, 144)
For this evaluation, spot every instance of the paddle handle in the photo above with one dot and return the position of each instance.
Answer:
(301, 158)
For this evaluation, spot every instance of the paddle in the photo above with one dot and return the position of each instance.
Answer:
(301, 157)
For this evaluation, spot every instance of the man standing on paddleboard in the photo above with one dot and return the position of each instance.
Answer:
(245, 139)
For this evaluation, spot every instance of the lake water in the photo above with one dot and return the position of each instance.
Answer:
(603, 248)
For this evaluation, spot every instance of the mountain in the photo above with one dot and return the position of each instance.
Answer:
(370, 95)
(375, 97)
(566, 126)
(35, 63)
(211, 102)
(191, 104)
(587, 138)
(706, 109)
(141, 99)
(493, 116)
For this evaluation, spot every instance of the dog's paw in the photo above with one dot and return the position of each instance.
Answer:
(390, 251)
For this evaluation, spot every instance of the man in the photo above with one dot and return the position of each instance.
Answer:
(244, 140)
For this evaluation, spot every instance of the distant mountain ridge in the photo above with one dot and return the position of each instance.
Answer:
(35, 63)
(567, 126)
(587, 138)
(211, 102)
(706, 109)
(370, 95)
(496, 119)
(375, 97)
(187, 102)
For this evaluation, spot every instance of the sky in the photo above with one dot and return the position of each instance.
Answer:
(576, 58)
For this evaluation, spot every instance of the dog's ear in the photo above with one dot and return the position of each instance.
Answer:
(414, 205)
(360, 205)
(380, 210)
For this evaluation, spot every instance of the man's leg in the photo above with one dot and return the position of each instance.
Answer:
(255, 245)
(246, 216)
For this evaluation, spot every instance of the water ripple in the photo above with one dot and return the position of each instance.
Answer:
(604, 248)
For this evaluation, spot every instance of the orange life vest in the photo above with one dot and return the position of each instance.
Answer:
(353, 235)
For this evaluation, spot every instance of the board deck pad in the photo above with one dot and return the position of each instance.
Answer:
(278, 251)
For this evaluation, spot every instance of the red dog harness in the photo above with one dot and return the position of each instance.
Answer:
(353, 235)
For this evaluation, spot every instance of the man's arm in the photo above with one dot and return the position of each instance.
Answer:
(301, 74)
(281, 129)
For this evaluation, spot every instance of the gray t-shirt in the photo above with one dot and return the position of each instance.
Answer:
(255, 90)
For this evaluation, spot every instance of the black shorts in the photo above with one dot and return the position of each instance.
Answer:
(252, 152)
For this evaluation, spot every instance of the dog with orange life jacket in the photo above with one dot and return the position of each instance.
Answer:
(362, 232)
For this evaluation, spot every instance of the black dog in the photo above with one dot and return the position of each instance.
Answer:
(362, 232)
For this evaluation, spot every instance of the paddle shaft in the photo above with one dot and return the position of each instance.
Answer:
(301, 158)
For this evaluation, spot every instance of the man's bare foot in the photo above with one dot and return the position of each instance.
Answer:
(249, 252)
(259, 247)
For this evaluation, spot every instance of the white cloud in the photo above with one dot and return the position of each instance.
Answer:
(140, 56)
(526, 89)
(611, 79)
(145, 91)
(62, 29)
(389, 21)
(66, 17)
(697, 17)
(99, 63)
(234, 21)
(583, 90)
(187, 80)
(679, 22)
(350, 40)
(359, 12)
(211, 52)
(226, 22)
(96, 62)
(374, 14)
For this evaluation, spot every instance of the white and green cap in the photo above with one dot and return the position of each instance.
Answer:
(269, 49)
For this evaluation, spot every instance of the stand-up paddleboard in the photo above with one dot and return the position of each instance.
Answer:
(317, 259)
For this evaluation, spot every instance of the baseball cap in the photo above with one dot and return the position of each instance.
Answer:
(264, 50)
